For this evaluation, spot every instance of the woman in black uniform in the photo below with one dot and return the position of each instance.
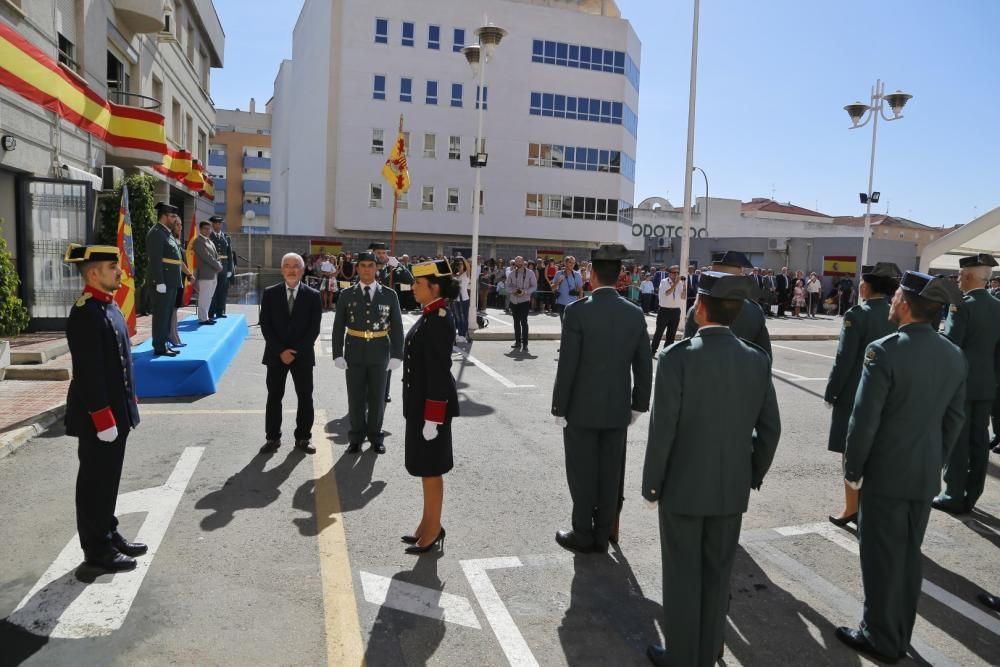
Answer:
(430, 399)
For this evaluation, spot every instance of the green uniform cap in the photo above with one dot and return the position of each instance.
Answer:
(982, 259)
(881, 270)
(725, 286)
(940, 290)
(612, 252)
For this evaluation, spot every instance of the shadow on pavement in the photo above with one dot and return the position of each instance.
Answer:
(799, 387)
(975, 638)
(250, 488)
(337, 430)
(353, 475)
(18, 644)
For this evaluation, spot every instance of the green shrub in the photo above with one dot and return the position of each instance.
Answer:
(13, 314)
(140, 206)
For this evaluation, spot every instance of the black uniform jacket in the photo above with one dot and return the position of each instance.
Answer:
(428, 387)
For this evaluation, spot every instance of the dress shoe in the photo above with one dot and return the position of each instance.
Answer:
(200, 323)
(354, 448)
(524, 348)
(515, 346)
(949, 506)
(857, 641)
(991, 601)
(568, 540)
(270, 446)
(132, 549)
(996, 447)
(113, 561)
(165, 353)
(379, 448)
(409, 539)
(305, 446)
(388, 399)
(657, 655)
(843, 521)
(422, 550)
(221, 315)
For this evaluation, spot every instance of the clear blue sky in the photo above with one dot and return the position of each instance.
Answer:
(773, 77)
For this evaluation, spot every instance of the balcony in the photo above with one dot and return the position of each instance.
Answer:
(254, 162)
(263, 187)
(258, 209)
(216, 159)
(220, 208)
(220, 183)
(143, 16)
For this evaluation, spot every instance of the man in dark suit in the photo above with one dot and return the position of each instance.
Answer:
(692, 286)
(290, 314)
(224, 245)
(907, 415)
(712, 436)
(783, 290)
(164, 276)
(101, 406)
(602, 385)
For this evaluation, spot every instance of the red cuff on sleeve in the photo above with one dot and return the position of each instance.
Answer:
(434, 411)
(103, 419)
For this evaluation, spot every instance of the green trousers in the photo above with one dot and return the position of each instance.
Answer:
(593, 470)
(365, 401)
(965, 470)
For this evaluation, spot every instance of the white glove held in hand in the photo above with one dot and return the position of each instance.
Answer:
(108, 434)
(161, 288)
(229, 274)
(634, 418)
(393, 262)
(561, 422)
(829, 406)
(430, 431)
(650, 505)
(340, 363)
(855, 485)
(394, 364)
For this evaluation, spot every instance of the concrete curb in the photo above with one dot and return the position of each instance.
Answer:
(48, 354)
(11, 441)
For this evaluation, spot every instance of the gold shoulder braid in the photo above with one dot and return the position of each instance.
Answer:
(83, 298)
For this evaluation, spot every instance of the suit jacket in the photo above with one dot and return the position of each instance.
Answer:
(209, 265)
(714, 428)
(428, 385)
(161, 245)
(296, 331)
(604, 347)
(750, 325)
(782, 282)
(383, 314)
(908, 413)
(974, 325)
(224, 244)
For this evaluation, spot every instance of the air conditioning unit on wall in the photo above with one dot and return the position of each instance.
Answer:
(777, 244)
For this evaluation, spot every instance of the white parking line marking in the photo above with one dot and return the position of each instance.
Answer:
(795, 349)
(497, 319)
(419, 600)
(60, 605)
(510, 638)
(492, 373)
(795, 376)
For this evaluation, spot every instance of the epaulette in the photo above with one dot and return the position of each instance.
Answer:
(83, 299)
(679, 344)
(442, 312)
(754, 346)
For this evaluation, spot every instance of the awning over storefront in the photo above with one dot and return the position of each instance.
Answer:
(980, 235)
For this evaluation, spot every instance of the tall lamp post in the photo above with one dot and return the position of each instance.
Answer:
(689, 155)
(478, 56)
(861, 114)
(706, 192)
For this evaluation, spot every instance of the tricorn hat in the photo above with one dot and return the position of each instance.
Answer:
(725, 286)
(612, 252)
(731, 258)
(437, 267)
(364, 256)
(982, 259)
(91, 253)
(163, 208)
(941, 290)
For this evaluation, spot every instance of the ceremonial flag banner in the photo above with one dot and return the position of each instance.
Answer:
(317, 247)
(395, 171)
(192, 261)
(125, 296)
(555, 255)
(840, 265)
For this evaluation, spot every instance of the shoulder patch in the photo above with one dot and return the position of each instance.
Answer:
(952, 309)
(870, 356)
(847, 324)
(442, 312)
(83, 298)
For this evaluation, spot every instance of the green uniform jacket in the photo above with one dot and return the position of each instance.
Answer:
(381, 315)
(863, 324)
(224, 244)
(160, 245)
(714, 427)
(974, 325)
(749, 325)
(908, 413)
(604, 347)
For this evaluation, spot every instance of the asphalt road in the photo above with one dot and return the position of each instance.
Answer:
(296, 560)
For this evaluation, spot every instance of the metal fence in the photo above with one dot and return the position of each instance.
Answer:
(245, 289)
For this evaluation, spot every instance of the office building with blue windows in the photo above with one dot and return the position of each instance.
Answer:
(561, 107)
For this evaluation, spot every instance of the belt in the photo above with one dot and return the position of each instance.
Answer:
(167, 260)
(367, 335)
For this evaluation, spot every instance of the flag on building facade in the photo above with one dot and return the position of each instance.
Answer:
(395, 171)
(125, 296)
(191, 260)
(840, 265)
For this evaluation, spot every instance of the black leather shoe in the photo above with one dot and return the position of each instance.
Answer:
(857, 641)
(838, 521)
(112, 562)
(165, 353)
(304, 446)
(409, 539)
(222, 315)
(132, 549)
(940, 503)
(200, 323)
(388, 399)
(991, 601)
(270, 446)
(422, 550)
(569, 540)
(379, 448)
(657, 655)
(354, 448)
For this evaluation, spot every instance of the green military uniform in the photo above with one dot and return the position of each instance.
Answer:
(604, 375)
(973, 325)
(399, 280)
(164, 269)
(907, 415)
(713, 433)
(367, 333)
(863, 323)
(227, 256)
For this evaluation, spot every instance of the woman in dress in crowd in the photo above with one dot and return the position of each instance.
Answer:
(634, 283)
(798, 297)
(461, 304)
(621, 286)
(430, 398)
(814, 292)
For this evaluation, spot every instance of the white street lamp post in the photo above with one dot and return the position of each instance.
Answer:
(689, 160)
(249, 217)
(861, 114)
(477, 56)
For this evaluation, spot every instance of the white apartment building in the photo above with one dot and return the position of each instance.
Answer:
(562, 94)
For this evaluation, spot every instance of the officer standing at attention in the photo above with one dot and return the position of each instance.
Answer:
(907, 415)
(100, 407)
(164, 275)
(224, 245)
(750, 325)
(396, 277)
(713, 432)
(369, 315)
(864, 323)
(604, 344)
(973, 325)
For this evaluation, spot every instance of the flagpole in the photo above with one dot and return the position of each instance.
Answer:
(395, 204)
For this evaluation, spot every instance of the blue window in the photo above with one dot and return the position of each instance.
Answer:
(486, 98)
(458, 39)
(537, 50)
(407, 33)
(584, 108)
(381, 31)
(562, 51)
(550, 53)
(378, 89)
(406, 89)
(619, 62)
(559, 106)
(585, 57)
(432, 92)
(536, 104)
(548, 102)
(456, 95)
(434, 37)
(574, 55)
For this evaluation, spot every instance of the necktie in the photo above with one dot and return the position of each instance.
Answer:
(291, 300)
(368, 294)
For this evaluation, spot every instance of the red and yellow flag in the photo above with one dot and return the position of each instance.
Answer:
(191, 260)
(395, 171)
(125, 296)
(840, 265)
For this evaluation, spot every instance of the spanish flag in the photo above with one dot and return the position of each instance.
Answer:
(395, 171)
(192, 261)
(840, 265)
(125, 296)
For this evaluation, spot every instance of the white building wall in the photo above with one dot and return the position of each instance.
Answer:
(281, 115)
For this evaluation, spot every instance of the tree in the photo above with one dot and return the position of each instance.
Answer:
(140, 205)
(13, 314)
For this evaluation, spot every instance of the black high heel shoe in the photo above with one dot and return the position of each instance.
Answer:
(409, 539)
(422, 550)
(838, 521)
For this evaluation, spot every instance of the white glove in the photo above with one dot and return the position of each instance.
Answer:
(393, 262)
(394, 364)
(829, 406)
(855, 485)
(108, 434)
(430, 431)
(229, 274)
(561, 422)
(161, 288)
(634, 418)
(650, 504)
(340, 363)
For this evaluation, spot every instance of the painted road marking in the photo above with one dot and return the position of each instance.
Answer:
(795, 349)
(510, 638)
(497, 319)
(343, 628)
(419, 600)
(60, 605)
(794, 376)
(492, 373)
